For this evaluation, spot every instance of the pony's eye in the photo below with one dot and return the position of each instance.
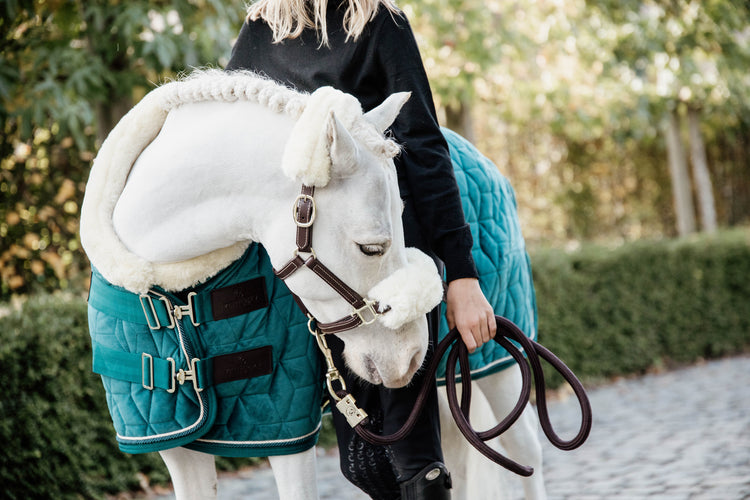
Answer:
(374, 249)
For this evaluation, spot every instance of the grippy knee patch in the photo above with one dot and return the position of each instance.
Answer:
(368, 467)
(431, 483)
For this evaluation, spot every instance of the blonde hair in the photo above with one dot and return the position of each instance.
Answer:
(288, 18)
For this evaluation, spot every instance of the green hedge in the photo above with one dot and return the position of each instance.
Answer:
(644, 305)
(57, 435)
(58, 439)
(604, 312)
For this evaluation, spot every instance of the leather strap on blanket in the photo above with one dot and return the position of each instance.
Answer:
(152, 372)
(155, 311)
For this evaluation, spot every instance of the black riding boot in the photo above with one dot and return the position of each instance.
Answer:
(431, 483)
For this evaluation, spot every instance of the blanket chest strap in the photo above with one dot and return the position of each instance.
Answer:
(157, 310)
(151, 371)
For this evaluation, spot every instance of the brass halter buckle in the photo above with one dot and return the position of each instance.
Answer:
(367, 314)
(295, 210)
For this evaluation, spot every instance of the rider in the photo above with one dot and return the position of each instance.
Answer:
(367, 48)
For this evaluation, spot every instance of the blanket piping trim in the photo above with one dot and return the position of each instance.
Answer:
(271, 442)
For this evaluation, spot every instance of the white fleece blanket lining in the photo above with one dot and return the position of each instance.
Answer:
(118, 153)
(410, 292)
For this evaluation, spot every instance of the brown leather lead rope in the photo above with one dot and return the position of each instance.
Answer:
(506, 331)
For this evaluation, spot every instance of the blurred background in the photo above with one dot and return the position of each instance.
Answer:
(614, 120)
(624, 127)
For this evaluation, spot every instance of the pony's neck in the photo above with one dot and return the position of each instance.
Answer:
(210, 179)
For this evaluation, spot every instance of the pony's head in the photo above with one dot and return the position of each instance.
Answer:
(358, 236)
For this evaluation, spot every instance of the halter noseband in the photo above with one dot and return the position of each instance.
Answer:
(364, 311)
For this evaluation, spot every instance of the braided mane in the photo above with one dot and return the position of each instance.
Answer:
(230, 86)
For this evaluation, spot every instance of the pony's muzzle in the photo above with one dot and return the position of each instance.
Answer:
(394, 380)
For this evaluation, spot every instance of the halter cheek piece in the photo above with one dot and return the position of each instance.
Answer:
(364, 311)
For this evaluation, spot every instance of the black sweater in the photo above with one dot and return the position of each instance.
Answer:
(384, 60)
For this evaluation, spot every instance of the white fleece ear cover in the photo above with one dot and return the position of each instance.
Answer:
(410, 292)
(307, 156)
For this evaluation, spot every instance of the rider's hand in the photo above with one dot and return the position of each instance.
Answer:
(468, 309)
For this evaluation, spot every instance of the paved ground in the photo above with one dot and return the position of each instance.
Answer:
(683, 434)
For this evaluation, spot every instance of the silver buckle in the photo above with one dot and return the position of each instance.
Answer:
(183, 376)
(141, 297)
(369, 306)
(188, 310)
(144, 357)
(167, 305)
(295, 210)
(172, 384)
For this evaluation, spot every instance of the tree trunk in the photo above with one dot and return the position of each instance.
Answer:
(108, 114)
(678, 170)
(703, 186)
(459, 120)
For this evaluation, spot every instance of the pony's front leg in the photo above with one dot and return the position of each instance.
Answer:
(193, 473)
(521, 441)
(295, 475)
(474, 476)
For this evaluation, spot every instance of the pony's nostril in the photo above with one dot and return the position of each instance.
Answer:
(372, 370)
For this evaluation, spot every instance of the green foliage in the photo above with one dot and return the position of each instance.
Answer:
(68, 72)
(567, 98)
(41, 187)
(459, 40)
(58, 440)
(57, 434)
(618, 312)
(65, 61)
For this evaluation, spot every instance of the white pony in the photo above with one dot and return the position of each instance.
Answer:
(202, 167)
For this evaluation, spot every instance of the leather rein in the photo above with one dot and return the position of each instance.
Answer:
(366, 311)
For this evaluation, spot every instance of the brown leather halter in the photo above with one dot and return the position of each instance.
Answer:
(367, 311)
(364, 311)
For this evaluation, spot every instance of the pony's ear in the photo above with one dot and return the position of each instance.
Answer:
(383, 115)
(342, 146)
